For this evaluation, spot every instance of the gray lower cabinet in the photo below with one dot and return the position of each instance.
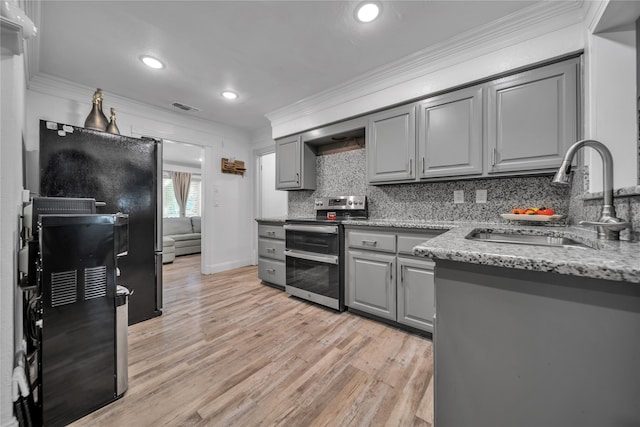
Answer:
(271, 259)
(384, 279)
(532, 118)
(295, 164)
(528, 348)
(372, 285)
(391, 145)
(450, 134)
(416, 301)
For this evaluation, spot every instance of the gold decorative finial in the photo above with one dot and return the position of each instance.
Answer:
(97, 95)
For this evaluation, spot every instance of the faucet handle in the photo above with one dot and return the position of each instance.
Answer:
(609, 229)
(613, 225)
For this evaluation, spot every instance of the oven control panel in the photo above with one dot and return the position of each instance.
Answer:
(341, 203)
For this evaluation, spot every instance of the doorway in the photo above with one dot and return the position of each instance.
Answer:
(184, 158)
(272, 203)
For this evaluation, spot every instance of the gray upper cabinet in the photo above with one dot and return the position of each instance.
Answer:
(391, 145)
(450, 134)
(295, 165)
(532, 118)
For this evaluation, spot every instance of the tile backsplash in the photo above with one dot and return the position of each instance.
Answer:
(627, 206)
(345, 174)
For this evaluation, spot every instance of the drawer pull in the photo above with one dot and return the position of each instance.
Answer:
(271, 250)
(370, 242)
(271, 233)
(271, 270)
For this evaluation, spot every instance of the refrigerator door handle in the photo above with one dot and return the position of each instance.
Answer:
(159, 205)
(158, 258)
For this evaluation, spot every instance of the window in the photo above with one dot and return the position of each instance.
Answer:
(170, 208)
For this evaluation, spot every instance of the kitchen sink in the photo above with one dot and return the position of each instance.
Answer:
(525, 239)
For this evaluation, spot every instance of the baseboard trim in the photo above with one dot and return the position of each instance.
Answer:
(13, 422)
(224, 266)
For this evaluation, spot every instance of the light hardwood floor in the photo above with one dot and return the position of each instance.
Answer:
(229, 350)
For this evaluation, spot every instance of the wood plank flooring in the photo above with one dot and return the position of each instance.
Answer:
(230, 351)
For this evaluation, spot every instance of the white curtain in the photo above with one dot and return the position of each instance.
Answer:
(181, 184)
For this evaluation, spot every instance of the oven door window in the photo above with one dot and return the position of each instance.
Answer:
(317, 277)
(318, 243)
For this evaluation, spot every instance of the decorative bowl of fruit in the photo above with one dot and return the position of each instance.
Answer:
(533, 214)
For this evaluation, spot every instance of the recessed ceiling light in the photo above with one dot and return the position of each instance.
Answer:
(152, 62)
(229, 95)
(368, 11)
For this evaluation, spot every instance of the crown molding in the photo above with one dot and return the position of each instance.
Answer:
(594, 14)
(33, 9)
(537, 20)
(65, 89)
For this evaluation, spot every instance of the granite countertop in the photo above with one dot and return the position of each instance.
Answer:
(416, 224)
(609, 260)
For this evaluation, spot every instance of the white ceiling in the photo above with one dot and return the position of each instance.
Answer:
(273, 53)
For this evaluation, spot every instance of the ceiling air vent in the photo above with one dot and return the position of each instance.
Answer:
(184, 107)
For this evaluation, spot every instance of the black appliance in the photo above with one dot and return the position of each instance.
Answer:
(315, 257)
(123, 175)
(77, 371)
(32, 211)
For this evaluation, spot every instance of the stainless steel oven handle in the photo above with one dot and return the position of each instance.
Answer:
(325, 259)
(320, 229)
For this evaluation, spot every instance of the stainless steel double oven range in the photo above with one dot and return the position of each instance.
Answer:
(314, 252)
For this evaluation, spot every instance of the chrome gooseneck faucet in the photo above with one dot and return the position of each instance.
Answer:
(608, 225)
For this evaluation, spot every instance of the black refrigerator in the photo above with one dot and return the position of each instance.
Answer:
(122, 174)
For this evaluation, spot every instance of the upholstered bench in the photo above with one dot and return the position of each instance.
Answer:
(168, 250)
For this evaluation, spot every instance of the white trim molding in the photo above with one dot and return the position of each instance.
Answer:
(65, 89)
(412, 77)
(224, 266)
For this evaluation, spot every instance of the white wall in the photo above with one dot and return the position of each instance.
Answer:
(12, 96)
(227, 239)
(261, 138)
(610, 107)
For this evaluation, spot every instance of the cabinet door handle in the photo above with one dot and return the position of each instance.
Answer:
(410, 166)
(297, 178)
(495, 156)
(401, 276)
(369, 242)
(391, 274)
(423, 162)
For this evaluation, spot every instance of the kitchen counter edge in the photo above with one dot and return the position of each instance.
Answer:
(616, 261)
